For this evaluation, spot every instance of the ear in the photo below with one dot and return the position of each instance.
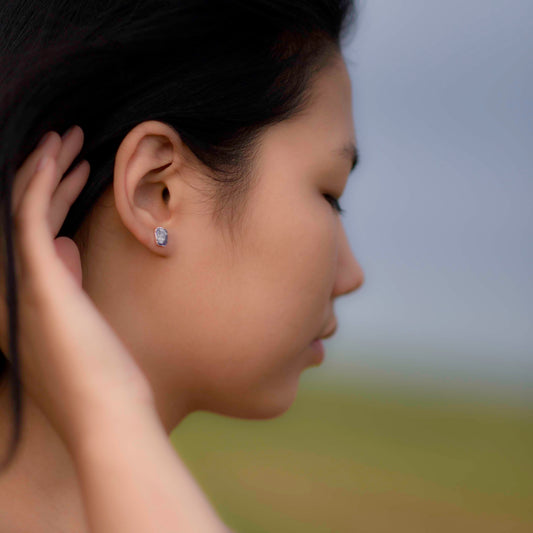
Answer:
(146, 185)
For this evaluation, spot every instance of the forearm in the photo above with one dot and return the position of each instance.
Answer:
(133, 481)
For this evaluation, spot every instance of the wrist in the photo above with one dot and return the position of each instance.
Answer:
(108, 425)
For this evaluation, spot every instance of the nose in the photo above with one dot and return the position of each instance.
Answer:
(350, 275)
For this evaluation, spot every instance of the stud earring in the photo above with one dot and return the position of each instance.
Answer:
(161, 236)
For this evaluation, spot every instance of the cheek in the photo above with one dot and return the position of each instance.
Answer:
(243, 317)
(289, 273)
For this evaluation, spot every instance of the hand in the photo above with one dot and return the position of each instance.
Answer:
(72, 362)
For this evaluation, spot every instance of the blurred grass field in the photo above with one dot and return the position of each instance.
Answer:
(360, 456)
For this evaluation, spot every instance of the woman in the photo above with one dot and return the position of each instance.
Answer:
(178, 249)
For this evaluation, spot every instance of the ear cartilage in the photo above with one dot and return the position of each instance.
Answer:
(161, 236)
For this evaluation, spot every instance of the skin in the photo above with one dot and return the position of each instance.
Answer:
(214, 324)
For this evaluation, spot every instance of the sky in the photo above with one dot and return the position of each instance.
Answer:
(438, 211)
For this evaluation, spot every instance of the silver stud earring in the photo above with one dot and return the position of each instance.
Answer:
(161, 236)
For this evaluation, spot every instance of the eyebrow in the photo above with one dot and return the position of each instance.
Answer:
(349, 150)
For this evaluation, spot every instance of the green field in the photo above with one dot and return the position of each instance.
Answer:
(370, 458)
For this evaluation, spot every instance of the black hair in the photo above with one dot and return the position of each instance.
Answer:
(217, 71)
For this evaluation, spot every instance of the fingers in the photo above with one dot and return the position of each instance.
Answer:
(66, 192)
(35, 240)
(68, 188)
(42, 199)
(72, 141)
(51, 145)
(64, 149)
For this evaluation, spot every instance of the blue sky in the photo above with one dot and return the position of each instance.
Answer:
(439, 210)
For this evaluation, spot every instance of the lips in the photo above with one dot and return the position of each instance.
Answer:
(329, 332)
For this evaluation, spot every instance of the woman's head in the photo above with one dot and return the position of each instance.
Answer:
(226, 324)
(223, 122)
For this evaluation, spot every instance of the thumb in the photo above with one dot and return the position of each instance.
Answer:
(68, 252)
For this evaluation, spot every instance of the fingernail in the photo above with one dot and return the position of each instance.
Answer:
(44, 139)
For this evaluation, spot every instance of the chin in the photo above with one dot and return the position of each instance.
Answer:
(261, 406)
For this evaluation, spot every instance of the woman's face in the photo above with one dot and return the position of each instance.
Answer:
(229, 328)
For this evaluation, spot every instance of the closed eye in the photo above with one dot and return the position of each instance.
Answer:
(335, 203)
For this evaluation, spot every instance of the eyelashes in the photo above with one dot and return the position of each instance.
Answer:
(335, 203)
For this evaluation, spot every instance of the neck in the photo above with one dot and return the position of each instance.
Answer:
(39, 489)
